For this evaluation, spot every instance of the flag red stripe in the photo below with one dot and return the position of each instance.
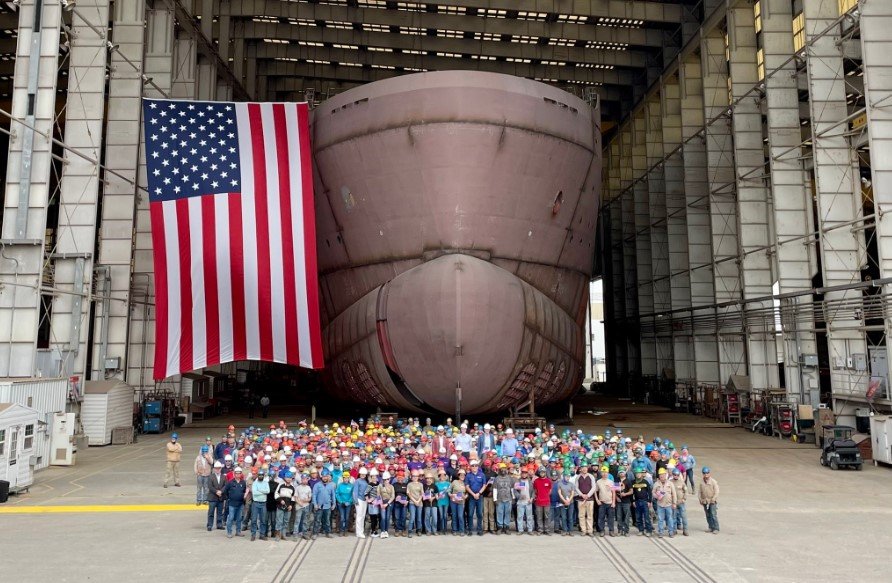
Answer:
(183, 236)
(264, 279)
(237, 273)
(309, 236)
(211, 292)
(156, 212)
(292, 353)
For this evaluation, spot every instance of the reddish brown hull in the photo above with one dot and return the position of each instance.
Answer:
(456, 218)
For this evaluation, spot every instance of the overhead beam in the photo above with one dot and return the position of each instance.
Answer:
(634, 37)
(302, 82)
(291, 52)
(316, 34)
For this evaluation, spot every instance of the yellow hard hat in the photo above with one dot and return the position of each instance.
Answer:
(661, 472)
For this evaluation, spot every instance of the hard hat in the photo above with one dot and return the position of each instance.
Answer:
(268, 448)
(385, 476)
(363, 471)
(289, 475)
(205, 449)
(661, 471)
(509, 430)
(238, 470)
(218, 465)
(325, 473)
(676, 472)
(453, 457)
(705, 469)
(487, 426)
(319, 458)
(474, 462)
(174, 436)
(248, 459)
(228, 457)
(260, 472)
(346, 474)
(374, 472)
(503, 466)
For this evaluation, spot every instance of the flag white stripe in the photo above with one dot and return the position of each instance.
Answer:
(196, 251)
(224, 275)
(249, 231)
(174, 323)
(297, 227)
(274, 215)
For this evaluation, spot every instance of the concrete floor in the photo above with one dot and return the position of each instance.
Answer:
(783, 517)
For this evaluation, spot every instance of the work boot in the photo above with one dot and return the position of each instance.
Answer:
(327, 535)
(263, 537)
(603, 533)
(685, 532)
(253, 537)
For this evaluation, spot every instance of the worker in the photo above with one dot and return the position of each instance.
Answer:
(323, 502)
(264, 405)
(457, 495)
(284, 504)
(259, 491)
(503, 496)
(234, 493)
(252, 404)
(566, 492)
(542, 486)
(303, 499)
(429, 502)
(585, 499)
(174, 453)
(665, 496)
(384, 496)
(360, 489)
(687, 463)
(605, 496)
(372, 505)
(681, 495)
(709, 498)
(204, 461)
(641, 497)
(344, 499)
(624, 504)
(476, 482)
(415, 492)
(216, 483)
(523, 489)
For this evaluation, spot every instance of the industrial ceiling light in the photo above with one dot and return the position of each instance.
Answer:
(68, 5)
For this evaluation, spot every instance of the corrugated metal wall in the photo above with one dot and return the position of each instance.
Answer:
(22, 469)
(47, 396)
(94, 414)
(120, 409)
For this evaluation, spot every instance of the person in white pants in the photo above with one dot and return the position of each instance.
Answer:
(360, 490)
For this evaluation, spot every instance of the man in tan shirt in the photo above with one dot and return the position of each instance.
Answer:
(664, 493)
(709, 498)
(681, 496)
(606, 497)
(174, 452)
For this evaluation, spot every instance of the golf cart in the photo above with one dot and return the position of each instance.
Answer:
(839, 450)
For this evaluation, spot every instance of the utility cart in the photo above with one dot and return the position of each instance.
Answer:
(839, 450)
(783, 419)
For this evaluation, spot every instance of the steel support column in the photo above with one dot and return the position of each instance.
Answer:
(754, 230)
(876, 46)
(676, 225)
(722, 204)
(838, 191)
(630, 269)
(125, 86)
(28, 184)
(79, 189)
(643, 260)
(699, 228)
(792, 207)
(207, 68)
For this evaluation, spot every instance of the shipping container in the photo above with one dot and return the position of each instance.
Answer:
(107, 405)
(47, 397)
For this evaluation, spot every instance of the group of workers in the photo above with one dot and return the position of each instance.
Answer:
(386, 477)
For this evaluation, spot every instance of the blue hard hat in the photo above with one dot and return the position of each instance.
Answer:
(174, 436)
(289, 475)
(676, 472)
(205, 449)
(325, 473)
(705, 469)
(648, 448)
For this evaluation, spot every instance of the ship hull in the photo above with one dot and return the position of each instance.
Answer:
(455, 220)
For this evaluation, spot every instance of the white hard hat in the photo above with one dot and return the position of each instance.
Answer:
(282, 456)
(442, 450)
(374, 472)
(238, 470)
(440, 428)
(509, 430)
(487, 426)
(293, 470)
(453, 457)
(385, 476)
(319, 458)
(268, 448)
(228, 458)
(363, 471)
(217, 464)
(248, 459)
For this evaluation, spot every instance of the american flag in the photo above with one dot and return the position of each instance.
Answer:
(231, 203)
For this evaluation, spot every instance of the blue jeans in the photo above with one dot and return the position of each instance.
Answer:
(563, 518)
(430, 519)
(215, 507)
(681, 517)
(475, 508)
(201, 494)
(258, 518)
(689, 478)
(458, 516)
(271, 520)
(524, 516)
(301, 519)
(343, 516)
(606, 515)
(665, 520)
(642, 516)
(385, 519)
(234, 517)
(623, 516)
(399, 516)
(282, 519)
(712, 518)
(442, 517)
(503, 514)
(415, 518)
(323, 521)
